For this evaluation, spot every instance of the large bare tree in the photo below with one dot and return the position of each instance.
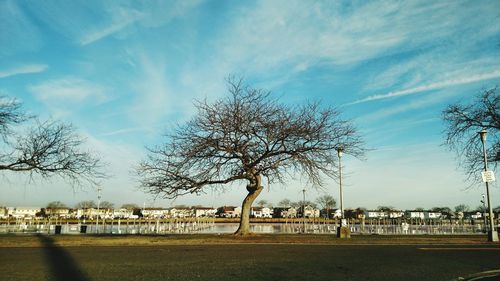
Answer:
(463, 124)
(248, 136)
(43, 148)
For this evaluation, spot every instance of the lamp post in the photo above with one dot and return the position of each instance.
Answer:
(98, 204)
(483, 201)
(340, 152)
(342, 231)
(492, 233)
(304, 208)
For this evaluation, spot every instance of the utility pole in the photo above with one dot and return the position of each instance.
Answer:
(304, 208)
(483, 200)
(98, 213)
(492, 233)
(340, 151)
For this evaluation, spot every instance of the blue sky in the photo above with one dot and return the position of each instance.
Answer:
(123, 72)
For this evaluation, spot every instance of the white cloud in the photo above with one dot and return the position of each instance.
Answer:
(298, 35)
(154, 97)
(69, 89)
(25, 69)
(433, 86)
(123, 18)
(87, 22)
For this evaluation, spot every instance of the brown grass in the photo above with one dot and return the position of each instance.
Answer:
(203, 239)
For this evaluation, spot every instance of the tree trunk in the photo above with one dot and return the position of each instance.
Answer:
(254, 189)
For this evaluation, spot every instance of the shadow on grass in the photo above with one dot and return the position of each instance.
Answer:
(62, 266)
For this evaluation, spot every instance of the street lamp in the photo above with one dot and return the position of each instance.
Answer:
(340, 152)
(492, 233)
(98, 203)
(483, 201)
(304, 208)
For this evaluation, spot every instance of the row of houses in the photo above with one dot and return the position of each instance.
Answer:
(198, 212)
(227, 212)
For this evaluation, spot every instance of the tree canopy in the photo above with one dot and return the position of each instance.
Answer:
(244, 137)
(130, 206)
(86, 204)
(106, 205)
(326, 201)
(464, 121)
(46, 148)
(56, 205)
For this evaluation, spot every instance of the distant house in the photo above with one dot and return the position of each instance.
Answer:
(201, 212)
(474, 215)
(156, 213)
(330, 213)
(376, 214)
(181, 212)
(396, 214)
(415, 214)
(94, 213)
(284, 212)
(229, 212)
(434, 215)
(22, 212)
(57, 212)
(123, 213)
(261, 212)
(309, 212)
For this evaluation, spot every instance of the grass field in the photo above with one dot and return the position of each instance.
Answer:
(29, 240)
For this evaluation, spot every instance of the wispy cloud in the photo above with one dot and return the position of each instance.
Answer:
(154, 98)
(298, 35)
(87, 22)
(26, 69)
(432, 86)
(125, 18)
(69, 89)
(124, 131)
(17, 31)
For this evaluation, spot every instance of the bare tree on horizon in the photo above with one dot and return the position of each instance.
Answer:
(248, 136)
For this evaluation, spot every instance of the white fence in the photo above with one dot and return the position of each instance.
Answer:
(209, 226)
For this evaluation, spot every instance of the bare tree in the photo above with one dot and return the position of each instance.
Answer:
(385, 208)
(130, 206)
(10, 114)
(86, 204)
(326, 202)
(262, 203)
(245, 137)
(56, 205)
(462, 208)
(463, 124)
(106, 205)
(285, 203)
(46, 149)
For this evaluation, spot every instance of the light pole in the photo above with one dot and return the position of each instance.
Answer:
(304, 208)
(483, 201)
(492, 233)
(340, 152)
(98, 204)
(342, 231)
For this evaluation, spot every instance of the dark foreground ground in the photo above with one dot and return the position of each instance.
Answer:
(54, 258)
